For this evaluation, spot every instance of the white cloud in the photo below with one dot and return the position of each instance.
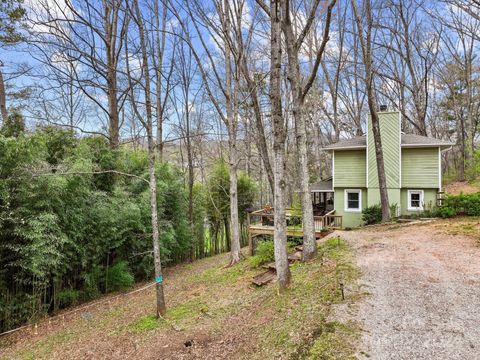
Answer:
(48, 16)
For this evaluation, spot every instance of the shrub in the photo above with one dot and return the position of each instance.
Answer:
(372, 214)
(445, 212)
(264, 253)
(67, 297)
(118, 277)
(394, 210)
(467, 204)
(91, 280)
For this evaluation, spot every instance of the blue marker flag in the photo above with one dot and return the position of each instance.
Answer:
(159, 279)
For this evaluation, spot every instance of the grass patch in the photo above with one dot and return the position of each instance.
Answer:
(220, 275)
(43, 348)
(336, 341)
(188, 310)
(145, 323)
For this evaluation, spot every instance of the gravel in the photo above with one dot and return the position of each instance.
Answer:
(423, 291)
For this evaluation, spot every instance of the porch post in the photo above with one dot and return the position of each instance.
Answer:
(250, 239)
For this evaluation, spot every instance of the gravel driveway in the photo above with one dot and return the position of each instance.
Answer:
(423, 290)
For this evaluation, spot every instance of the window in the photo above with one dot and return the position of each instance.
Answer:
(415, 200)
(353, 200)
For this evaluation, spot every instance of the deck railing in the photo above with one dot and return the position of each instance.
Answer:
(262, 218)
(260, 222)
(318, 222)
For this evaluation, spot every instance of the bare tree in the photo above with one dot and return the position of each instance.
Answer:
(406, 65)
(3, 97)
(92, 35)
(159, 43)
(300, 88)
(366, 41)
(460, 43)
(471, 7)
(279, 138)
(228, 86)
(185, 68)
(253, 82)
(147, 122)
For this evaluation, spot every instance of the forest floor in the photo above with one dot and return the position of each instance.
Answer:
(213, 313)
(423, 285)
(465, 187)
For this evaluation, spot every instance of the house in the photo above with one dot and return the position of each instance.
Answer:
(413, 170)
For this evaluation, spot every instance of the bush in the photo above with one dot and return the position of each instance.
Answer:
(466, 204)
(118, 277)
(445, 212)
(91, 280)
(264, 253)
(67, 297)
(372, 214)
(394, 210)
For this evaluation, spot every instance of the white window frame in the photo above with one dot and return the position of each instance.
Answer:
(409, 200)
(359, 192)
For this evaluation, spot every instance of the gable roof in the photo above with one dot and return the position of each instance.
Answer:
(408, 141)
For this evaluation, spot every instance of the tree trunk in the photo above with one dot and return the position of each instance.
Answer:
(235, 226)
(382, 181)
(366, 45)
(160, 50)
(113, 118)
(279, 165)
(293, 45)
(260, 136)
(190, 179)
(3, 101)
(231, 123)
(161, 307)
(309, 243)
(110, 25)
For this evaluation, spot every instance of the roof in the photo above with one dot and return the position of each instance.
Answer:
(358, 142)
(412, 140)
(408, 140)
(322, 186)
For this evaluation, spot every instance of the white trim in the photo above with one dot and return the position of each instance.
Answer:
(409, 205)
(439, 169)
(333, 169)
(345, 200)
(424, 145)
(400, 149)
(355, 147)
(366, 154)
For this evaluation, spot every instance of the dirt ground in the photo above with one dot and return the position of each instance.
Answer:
(423, 292)
(464, 187)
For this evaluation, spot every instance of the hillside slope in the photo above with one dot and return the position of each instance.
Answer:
(214, 313)
(464, 187)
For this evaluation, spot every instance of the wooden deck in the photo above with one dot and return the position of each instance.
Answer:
(261, 223)
(268, 230)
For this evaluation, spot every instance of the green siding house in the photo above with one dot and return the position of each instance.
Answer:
(413, 170)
